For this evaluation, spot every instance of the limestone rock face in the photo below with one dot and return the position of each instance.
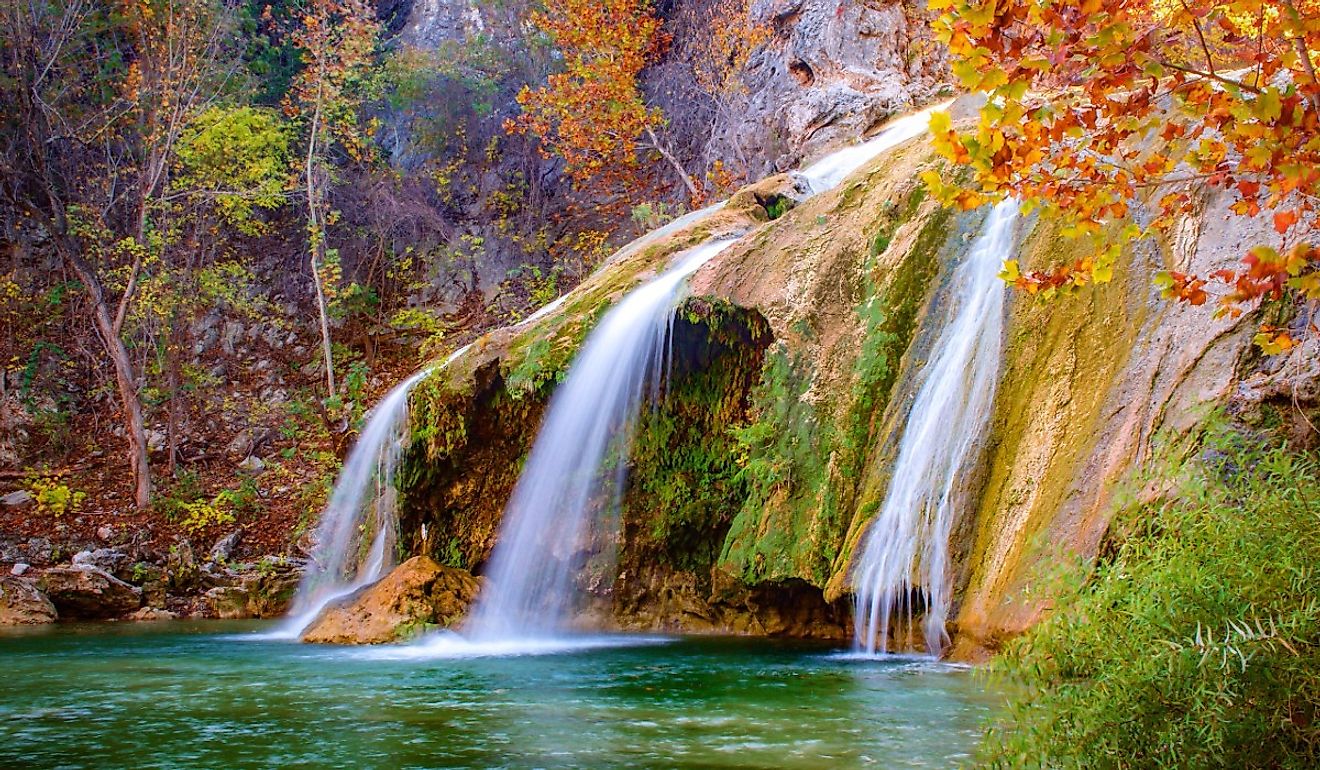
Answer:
(87, 592)
(832, 71)
(22, 604)
(417, 592)
(111, 560)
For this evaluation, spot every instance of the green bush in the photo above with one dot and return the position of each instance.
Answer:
(1196, 641)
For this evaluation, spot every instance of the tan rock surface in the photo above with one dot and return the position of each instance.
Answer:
(90, 593)
(416, 594)
(21, 604)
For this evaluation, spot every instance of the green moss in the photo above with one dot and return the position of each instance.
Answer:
(533, 370)
(684, 476)
(778, 206)
(803, 460)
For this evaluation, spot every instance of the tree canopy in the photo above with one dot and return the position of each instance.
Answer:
(1103, 109)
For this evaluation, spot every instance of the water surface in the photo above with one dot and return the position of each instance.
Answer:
(212, 694)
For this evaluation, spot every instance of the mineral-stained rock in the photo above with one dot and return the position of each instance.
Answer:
(22, 604)
(416, 594)
(87, 592)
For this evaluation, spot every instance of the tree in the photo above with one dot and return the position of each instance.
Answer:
(1097, 107)
(97, 96)
(592, 114)
(716, 40)
(337, 39)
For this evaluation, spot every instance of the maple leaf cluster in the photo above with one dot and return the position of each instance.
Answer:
(1096, 107)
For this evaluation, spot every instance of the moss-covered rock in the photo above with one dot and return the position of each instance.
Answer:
(752, 481)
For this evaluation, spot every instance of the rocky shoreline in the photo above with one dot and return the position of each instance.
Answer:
(44, 582)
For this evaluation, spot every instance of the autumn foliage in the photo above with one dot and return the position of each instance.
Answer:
(1102, 108)
(592, 114)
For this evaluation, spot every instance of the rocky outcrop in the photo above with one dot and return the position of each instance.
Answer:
(795, 364)
(111, 560)
(21, 603)
(1087, 386)
(85, 592)
(262, 591)
(152, 613)
(416, 595)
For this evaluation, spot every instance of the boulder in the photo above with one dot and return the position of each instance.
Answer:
(17, 497)
(152, 613)
(112, 560)
(19, 568)
(87, 592)
(227, 602)
(21, 603)
(419, 593)
(263, 593)
(223, 549)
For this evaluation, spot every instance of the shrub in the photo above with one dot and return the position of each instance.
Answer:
(53, 496)
(1196, 641)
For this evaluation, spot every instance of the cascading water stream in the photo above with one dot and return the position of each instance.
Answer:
(566, 485)
(362, 512)
(907, 546)
(562, 490)
(828, 172)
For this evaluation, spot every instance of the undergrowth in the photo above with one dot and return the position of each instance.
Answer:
(1196, 640)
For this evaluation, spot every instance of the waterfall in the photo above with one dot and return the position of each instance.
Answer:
(568, 482)
(906, 548)
(362, 512)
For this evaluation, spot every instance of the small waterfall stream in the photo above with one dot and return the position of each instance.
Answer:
(828, 172)
(567, 485)
(362, 512)
(907, 547)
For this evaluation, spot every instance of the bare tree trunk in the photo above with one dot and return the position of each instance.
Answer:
(316, 236)
(173, 349)
(694, 192)
(125, 381)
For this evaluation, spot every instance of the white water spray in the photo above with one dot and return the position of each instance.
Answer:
(566, 485)
(906, 548)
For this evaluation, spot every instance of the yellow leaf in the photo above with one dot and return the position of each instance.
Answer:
(1011, 272)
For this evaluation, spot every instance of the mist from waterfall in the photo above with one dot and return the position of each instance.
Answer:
(905, 557)
(574, 475)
